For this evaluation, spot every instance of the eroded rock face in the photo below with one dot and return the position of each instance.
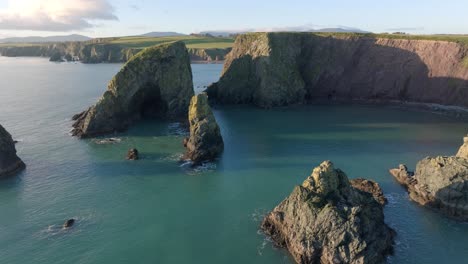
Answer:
(371, 187)
(157, 82)
(463, 151)
(326, 220)
(277, 69)
(205, 142)
(440, 183)
(10, 163)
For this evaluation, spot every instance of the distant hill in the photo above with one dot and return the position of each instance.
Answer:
(34, 39)
(340, 30)
(227, 33)
(162, 34)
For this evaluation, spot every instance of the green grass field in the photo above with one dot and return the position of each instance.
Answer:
(190, 41)
(463, 39)
(143, 42)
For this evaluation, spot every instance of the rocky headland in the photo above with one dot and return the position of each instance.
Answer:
(156, 83)
(10, 163)
(205, 142)
(440, 183)
(277, 69)
(327, 220)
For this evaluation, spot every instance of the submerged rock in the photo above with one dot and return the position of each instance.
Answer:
(440, 183)
(133, 154)
(157, 82)
(371, 187)
(10, 163)
(205, 142)
(326, 220)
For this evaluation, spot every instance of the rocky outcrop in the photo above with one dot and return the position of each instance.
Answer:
(132, 154)
(208, 55)
(326, 220)
(205, 142)
(155, 83)
(440, 183)
(371, 187)
(276, 69)
(10, 163)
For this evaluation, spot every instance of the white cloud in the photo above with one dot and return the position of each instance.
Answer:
(54, 15)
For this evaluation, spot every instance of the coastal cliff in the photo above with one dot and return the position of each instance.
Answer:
(276, 69)
(10, 163)
(91, 52)
(155, 83)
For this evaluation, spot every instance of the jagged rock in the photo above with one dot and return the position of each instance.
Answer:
(69, 223)
(440, 183)
(463, 152)
(326, 220)
(371, 187)
(133, 154)
(278, 69)
(157, 82)
(10, 163)
(205, 142)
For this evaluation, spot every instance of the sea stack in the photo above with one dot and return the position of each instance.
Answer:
(205, 142)
(326, 220)
(10, 163)
(157, 83)
(440, 183)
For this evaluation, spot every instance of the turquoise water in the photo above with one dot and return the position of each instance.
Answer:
(158, 211)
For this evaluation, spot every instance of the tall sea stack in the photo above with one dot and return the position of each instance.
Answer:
(157, 82)
(205, 142)
(10, 163)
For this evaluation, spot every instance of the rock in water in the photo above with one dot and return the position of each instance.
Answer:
(157, 82)
(10, 163)
(440, 183)
(133, 154)
(69, 223)
(326, 220)
(371, 187)
(205, 142)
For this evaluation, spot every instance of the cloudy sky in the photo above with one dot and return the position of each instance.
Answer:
(99, 18)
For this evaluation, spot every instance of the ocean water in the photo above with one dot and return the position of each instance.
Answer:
(158, 210)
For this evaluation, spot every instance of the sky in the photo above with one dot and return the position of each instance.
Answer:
(104, 18)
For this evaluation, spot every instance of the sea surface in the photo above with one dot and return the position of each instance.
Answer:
(158, 210)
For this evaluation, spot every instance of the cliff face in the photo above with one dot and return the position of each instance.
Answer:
(155, 83)
(326, 220)
(274, 69)
(9, 161)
